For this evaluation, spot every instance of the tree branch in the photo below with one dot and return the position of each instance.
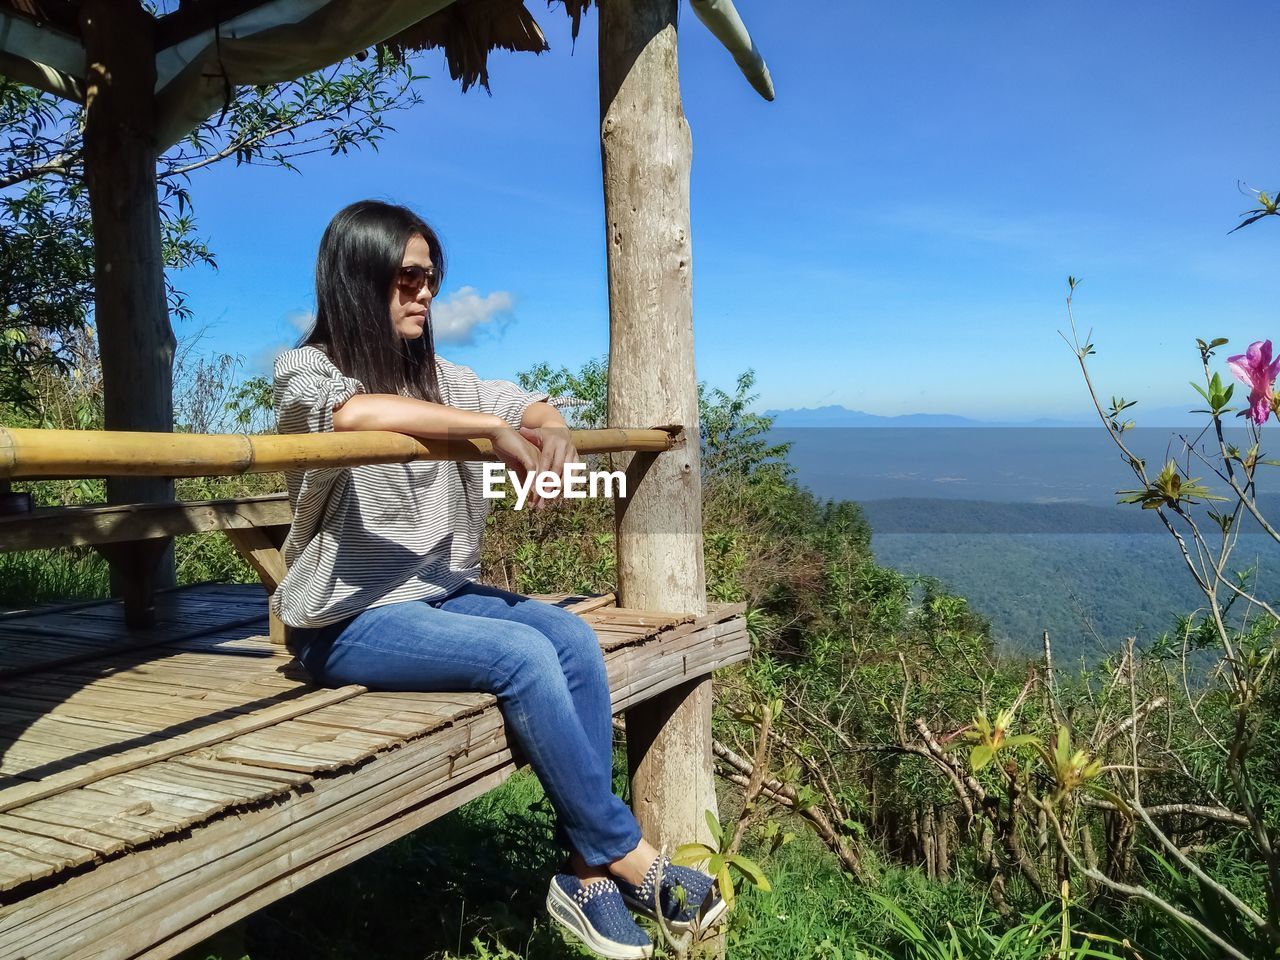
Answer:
(60, 166)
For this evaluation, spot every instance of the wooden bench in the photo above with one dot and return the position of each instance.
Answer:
(150, 795)
(158, 783)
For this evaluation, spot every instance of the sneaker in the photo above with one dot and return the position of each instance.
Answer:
(595, 914)
(703, 906)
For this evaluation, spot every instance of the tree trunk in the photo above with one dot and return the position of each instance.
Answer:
(945, 825)
(915, 847)
(929, 835)
(646, 154)
(130, 310)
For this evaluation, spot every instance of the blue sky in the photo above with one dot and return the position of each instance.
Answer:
(892, 234)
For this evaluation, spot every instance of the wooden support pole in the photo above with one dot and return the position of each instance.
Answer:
(262, 547)
(647, 152)
(13, 503)
(135, 565)
(135, 339)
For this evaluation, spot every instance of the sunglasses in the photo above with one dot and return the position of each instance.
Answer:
(413, 279)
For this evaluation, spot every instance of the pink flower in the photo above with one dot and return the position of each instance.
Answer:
(1255, 369)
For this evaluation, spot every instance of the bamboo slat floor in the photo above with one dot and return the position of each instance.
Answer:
(158, 784)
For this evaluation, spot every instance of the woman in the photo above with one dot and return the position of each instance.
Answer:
(383, 562)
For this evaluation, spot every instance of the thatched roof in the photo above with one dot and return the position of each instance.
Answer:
(468, 30)
(203, 46)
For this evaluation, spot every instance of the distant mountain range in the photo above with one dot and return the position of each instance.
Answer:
(838, 416)
(918, 516)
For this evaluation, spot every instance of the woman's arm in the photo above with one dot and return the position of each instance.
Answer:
(436, 421)
(542, 414)
(419, 418)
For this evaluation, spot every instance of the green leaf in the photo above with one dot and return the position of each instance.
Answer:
(752, 872)
(1062, 753)
(726, 884)
(980, 756)
(1021, 740)
(691, 854)
(714, 826)
(905, 925)
(1111, 797)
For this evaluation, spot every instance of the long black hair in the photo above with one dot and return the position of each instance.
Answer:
(360, 252)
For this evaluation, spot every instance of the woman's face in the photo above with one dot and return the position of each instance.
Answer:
(410, 305)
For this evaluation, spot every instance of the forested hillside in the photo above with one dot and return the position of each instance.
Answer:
(1102, 588)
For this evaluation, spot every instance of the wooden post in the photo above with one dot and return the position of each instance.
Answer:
(130, 310)
(646, 152)
(262, 548)
(10, 502)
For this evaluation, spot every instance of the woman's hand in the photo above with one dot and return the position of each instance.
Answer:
(515, 451)
(555, 449)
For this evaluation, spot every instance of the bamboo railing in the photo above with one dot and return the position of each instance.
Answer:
(27, 454)
(132, 536)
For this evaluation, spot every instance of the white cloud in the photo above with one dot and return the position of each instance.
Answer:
(304, 320)
(263, 360)
(453, 320)
(456, 319)
(262, 363)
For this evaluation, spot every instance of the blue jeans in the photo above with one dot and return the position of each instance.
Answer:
(543, 664)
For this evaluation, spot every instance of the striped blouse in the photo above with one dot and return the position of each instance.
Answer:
(382, 533)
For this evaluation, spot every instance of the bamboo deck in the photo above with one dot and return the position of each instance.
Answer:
(156, 785)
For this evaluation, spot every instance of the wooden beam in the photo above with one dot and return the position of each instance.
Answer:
(196, 16)
(50, 527)
(60, 15)
(646, 153)
(261, 551)
(131, 314)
